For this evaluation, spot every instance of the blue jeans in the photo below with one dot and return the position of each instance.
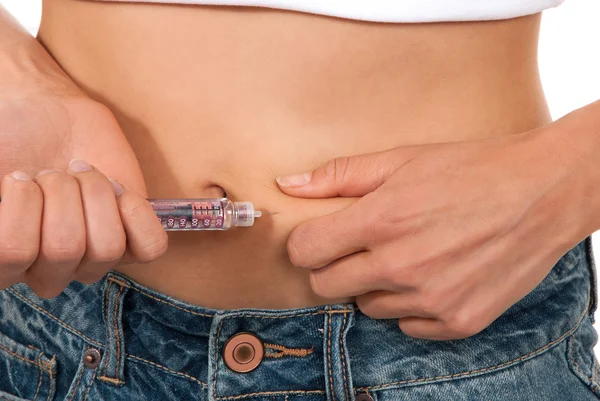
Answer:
(116, 340)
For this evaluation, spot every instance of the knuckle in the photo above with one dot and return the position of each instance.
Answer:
(464, 324)
(404, 276)
(293, 251)
(17, 257)
(28, 190)
(395, 275)
(153, 248)
(110, 251)
(96, 185)
(429, 304)
(56, 179)
(62, 250)
(336, 169)
(134, 209)
(368, 307)
(317, 285)
(388, 272)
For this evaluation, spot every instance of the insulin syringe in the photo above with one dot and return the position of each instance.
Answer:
(203, 214)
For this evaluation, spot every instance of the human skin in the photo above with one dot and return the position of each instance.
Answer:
(220, 101)
(451, 234)
(62, 221)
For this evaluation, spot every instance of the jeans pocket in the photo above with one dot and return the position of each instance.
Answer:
(26, 373)
(581, 357)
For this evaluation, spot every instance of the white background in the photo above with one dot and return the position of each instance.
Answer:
(569, 54)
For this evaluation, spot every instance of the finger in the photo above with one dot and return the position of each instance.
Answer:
(347, 176)
(105, 236)
(349, 276)
(63, 240)
(321, 241)
(465, 322)
(147, 240)
(430, 329)
(20, 221)
(392, 305)
(363, 272)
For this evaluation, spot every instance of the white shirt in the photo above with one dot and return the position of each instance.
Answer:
(395, 10)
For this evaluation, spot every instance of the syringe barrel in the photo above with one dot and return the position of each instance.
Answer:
(202, 214)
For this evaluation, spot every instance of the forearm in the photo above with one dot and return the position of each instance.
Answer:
(572, 144)
(25, 63)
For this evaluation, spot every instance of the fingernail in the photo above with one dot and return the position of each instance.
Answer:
(294, 180)
(116, 186)
(78, 166)
(47, 171)
(19, 175)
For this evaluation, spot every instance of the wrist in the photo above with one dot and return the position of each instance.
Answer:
(572, 147)
(26, 66)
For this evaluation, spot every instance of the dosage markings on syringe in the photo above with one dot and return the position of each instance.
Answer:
(196, 214)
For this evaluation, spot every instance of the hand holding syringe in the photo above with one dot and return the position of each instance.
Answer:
(64, 226)
(203, 214)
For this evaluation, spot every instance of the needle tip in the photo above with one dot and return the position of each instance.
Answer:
(258, 213)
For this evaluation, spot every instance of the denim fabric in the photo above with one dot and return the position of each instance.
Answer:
(155, 347)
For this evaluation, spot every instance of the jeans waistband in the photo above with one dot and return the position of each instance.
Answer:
(333, 350)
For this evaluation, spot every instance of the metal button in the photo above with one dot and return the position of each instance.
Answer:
(243, 352)
(91, 358)
(363, 397)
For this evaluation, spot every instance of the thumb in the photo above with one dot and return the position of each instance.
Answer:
(344, 176)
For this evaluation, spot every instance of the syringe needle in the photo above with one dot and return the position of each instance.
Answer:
(258, 213)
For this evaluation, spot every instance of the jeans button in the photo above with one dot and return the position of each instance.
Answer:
(243, 352)
(363, 397)
(91, 358)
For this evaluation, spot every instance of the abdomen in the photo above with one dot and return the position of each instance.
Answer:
(220, 100)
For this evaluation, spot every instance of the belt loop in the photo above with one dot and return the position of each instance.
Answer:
(338, 378)
(113, 361)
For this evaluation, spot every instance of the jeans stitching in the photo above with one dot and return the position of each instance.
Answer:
(285, 351)
(490, 368)
(329, 312)
(51, 316)
(112, 380)
(168, 370)
(329, 359)
(120, 282)
(52, 383)
(302, 392)
(217, 355)
(170, 303)
(90, 386)
(75, 389)
(37, 391)
(344, 358)
(576, 365)
(19, 356)
(117, 335)
(108, 348)
(89, 340)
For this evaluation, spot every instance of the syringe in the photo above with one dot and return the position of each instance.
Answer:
(203, 214)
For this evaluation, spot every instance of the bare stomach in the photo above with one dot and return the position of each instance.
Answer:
(219, 101)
